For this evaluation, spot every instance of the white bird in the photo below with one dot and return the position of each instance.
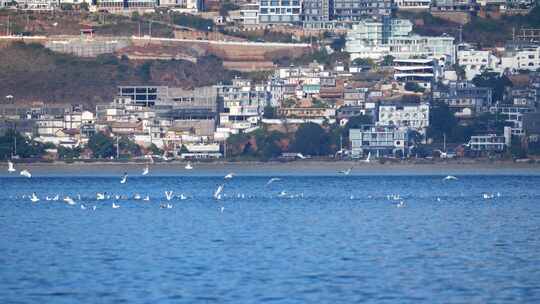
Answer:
(346, 172)
(150, 157)
(168, 195)
(401, 204)
(146, 198)
(282, 194)
(221, 209)
(11, 167)
(124, 179)
(300, 155)
(69, 200)
(368, 158)
(94, 208)
(450, 177)
(188, 166)
(488, 195)
(438, 199)
(169, 206)
(273, 179)
(217, 193)
(115, 206)
(164, 156)
(183, 197)
(165, 206)
(100, 196)
(56, 197)
(83, 207)
(34, 198)
(145, 170)
(26, 173)
(47, 198)
(137, 196)
(229, 176)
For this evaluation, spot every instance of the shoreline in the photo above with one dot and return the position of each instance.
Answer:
(299, 167)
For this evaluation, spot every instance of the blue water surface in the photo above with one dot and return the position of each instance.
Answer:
(301, 239)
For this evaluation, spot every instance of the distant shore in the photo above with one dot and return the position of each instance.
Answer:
(300, 167)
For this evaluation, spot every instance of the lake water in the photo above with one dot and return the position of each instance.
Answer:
(321, 238)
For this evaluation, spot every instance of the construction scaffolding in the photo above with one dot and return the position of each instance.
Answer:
(84, 47)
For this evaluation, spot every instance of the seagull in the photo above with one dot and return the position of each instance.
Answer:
(115, 206)
(221, 209)
(273, 179)
(11, 167)
(34, 198)
(146, 198)
(217, 193)
(124, 179)
(137, 196)
(149, 157)
(26, 173)
(164, 156)
(145, 171)
(300, 155)
(183, 197)
(401, 204)
(188, 166)
(450, 177)
(94, 208)
(47, 198)
(165, 206)
(168, 195)
(83, 207)
(56, 197)
(368, 158)
(100, 196)
(346, 172)
(69, 200)
(229, 176)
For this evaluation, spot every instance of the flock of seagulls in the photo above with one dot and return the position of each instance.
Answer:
(217, 194)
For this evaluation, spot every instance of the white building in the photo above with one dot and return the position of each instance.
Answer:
(248, 14)
(415, 116)
(376, 39)
(416, 5)
(280, 11)
(475, 62)
(182, 6)
(421, 71)
(522, 58)
(124, 6)
(37, 5)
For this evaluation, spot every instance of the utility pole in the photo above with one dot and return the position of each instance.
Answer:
(117, 148)
(444, 142)
(150, 29)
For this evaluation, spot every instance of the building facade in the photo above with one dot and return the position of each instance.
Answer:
(280, 11)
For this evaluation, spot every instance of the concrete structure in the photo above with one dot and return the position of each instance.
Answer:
(420, 71)
(248, 14)
(307, 113)
(521, 58)
(379, 140)
(124, 6)
(415, 116)
(37, 5)
(280, 11)
(475, 62)
(465, 99)
(376, 39)
(317, 14)
(487, 143)
(350, 11)
(182, 6)
(416, 5)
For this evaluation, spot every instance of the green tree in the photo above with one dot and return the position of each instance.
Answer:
(69, 153)
(155, 150)
(338, 43)
(102, 146)
(24, 147)
(269, 112)
(441, 121)
(311, 139)
(414, 87)
(128, 148)
(388, 60)
(492, 80)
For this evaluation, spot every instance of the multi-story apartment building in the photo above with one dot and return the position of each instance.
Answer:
(475, 62)
(349, 11)
(318, 14)
(415, 116)
(521, 58)
(280, 11)
(376, 39)
(415, 5)
(463, 97)
(124, 6)
(379, 140)
(420, 71)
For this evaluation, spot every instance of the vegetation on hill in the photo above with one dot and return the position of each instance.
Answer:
(31, 72)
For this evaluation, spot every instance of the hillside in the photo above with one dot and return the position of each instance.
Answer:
(30, 72)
